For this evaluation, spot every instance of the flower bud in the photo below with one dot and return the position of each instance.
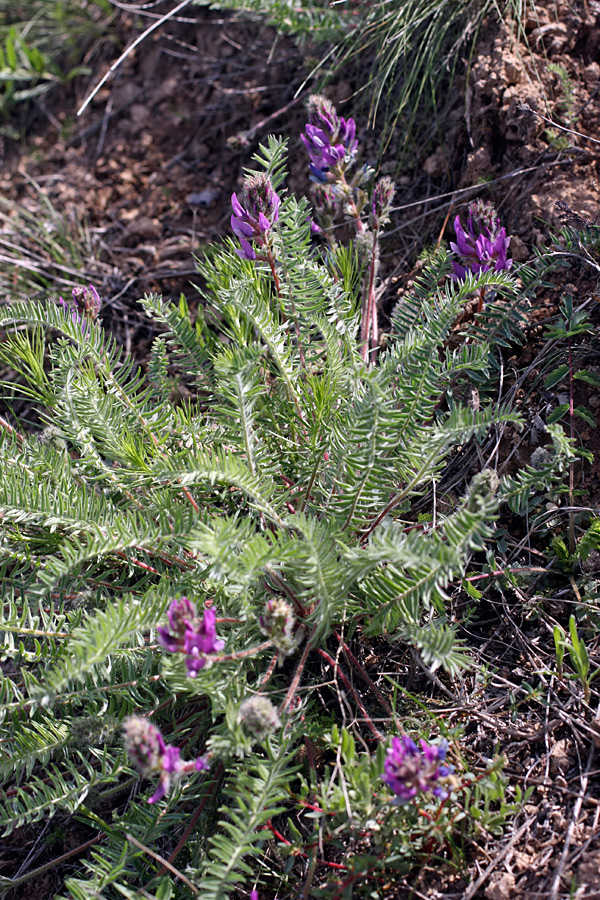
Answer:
(144, 744)
(259, 717)
(383, 195)
(541, 458)
(277, 622)
(482, 488)
(261, 197)
(322, 114)
(93, 731)
(87, 300)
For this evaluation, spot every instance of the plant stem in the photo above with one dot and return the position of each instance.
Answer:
(368, 329)
(297, 674)
(337, 671)
(572, 436)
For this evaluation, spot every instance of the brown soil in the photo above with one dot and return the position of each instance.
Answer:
(152, 164)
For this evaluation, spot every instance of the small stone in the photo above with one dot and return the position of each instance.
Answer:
(503, 888)
(435, 165)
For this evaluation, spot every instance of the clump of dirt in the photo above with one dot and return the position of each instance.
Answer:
(558, 77)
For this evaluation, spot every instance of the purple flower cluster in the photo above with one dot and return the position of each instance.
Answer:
(86, 303)
(482, 245)
(252, 221)
(87, 300)
(411, 769)
(330, 139)
(188, 634)
(146, 746)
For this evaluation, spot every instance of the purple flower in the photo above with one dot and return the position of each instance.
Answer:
(74, 315)
(87, 300)
(180, 615)
(201, 641)
(482, 245)
(411, 769)
(329, 139)
(190, 635)
(252, 221)
(145, 745)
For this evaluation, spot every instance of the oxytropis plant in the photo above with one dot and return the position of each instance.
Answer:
(185, 575)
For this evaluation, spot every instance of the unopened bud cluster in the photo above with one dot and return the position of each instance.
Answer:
(259, 717)
(383, 194)
(277, 623)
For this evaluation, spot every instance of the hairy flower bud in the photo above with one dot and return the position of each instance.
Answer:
(277, 622)
(325, 199)
(87, 300)
(144, 744)
(322, 114)
(93, 731)
(259, 717)
(540, 458)
(260, 196)
(383, 195)
(483, 487)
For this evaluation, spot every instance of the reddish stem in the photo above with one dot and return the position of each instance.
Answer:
(297, 675)
(374, 730)
(364, 674)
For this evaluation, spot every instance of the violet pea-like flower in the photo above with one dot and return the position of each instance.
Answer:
(481, 246)
(321, 151)
(146, 747)
(252, 221)
(410, 769)
(188, 634)
(330, 140)
(200, 642)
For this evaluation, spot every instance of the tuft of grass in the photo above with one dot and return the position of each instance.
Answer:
(44, 251)
(43, 43)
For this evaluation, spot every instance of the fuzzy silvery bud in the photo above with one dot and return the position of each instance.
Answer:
(277, 622)
(260, 196)
(93, 731)
(144, 744)
(482, 488)
(383, 194)
(540, 458)
(259, 717)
